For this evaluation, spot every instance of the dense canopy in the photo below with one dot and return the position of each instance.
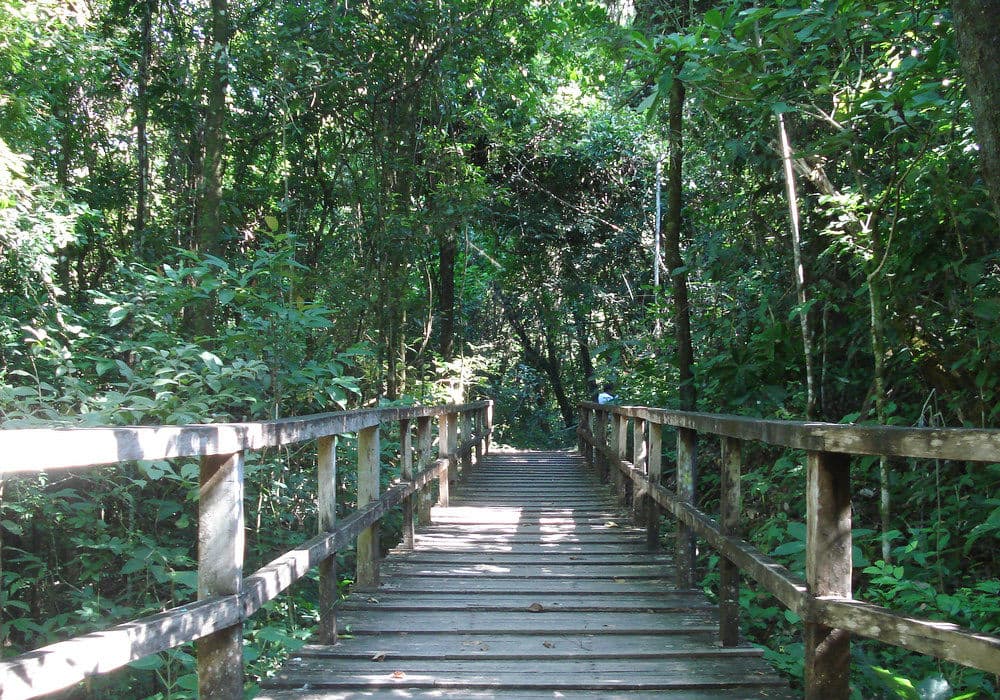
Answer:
(233, 210)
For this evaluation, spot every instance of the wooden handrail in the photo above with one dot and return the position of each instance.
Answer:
(226, 597)
(824, 601)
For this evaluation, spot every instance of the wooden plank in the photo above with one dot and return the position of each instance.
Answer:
(535, 556)
(610, 601)
(368, 490)
(943, 640)
(64, 664)
(528, 646)
(729, 520)
(548, 674)
(220, 571)
(499, 585)
(406, 474)
(530, 571)
(425, 622)
(326, 507)
(35, 449)
(687, 478)
(757, 693)
(828, 572)
(424, 445)
(962, 444)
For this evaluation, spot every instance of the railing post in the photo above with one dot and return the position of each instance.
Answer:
(640, 453)
(406, 474)
(368, 491)
(452, 444)
(621, 482)
(828, 571)
(602, 441)
(444, 475)
(477, 426)
(729, 521)
(424, 443)
(581, 443)
(654, 461)
(466, 419)
(220, 571)
(326, 463)
(687, 448)
(488, 438)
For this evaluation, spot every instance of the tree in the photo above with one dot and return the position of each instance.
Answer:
(977, 31)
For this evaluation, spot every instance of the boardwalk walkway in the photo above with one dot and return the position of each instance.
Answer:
(530, 585)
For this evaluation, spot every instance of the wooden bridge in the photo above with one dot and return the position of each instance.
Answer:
(526, 581)
(530, 585)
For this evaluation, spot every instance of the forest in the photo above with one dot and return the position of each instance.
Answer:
(234, 210)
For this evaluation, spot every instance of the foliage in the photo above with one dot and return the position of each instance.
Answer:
(364, 141)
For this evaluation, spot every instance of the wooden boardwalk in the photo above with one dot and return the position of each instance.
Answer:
(531, 585)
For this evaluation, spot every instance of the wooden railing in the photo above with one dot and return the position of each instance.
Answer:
(225, 597)
(824, 600)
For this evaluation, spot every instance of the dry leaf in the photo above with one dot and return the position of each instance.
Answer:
(398, 674)
(379, 656)
(535, 607)
(548, 645)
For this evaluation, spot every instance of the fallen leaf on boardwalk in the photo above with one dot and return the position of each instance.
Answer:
(611, 523)
(619, 580)
(576, 557)
(379, 656)
(398, 674)
(484, 647)
(548, 645)
(535, 607)
(373, 600)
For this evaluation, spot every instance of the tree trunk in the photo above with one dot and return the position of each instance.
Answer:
(582, 329)
(800, 275)
(141, 120)
(446, 298)
(977, 31)
(208, 223)
(672, 244)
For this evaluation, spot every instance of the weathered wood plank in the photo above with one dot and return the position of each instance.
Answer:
(759, 693)
(531, 645)
(828, 572)
(35, 449)
(546, 674)
(63, 664)
(502, 602)
(220, 571)
(423, 622)
(963, 444)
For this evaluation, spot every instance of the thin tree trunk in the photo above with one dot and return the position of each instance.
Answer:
(448, 249)
(141, 120)
(800, 276)
(672, 245)
(582, 329)
(977, 31)
(878, 350)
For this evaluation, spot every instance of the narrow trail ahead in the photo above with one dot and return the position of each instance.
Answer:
(531, 585)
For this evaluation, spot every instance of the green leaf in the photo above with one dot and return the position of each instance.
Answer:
(272, 222)
(149, 663)
(714, 18)
(12, 527)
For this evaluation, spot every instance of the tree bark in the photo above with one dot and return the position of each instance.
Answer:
(977, 31)
(208, 223)
(141, 121)
(448, 249)
(672, 243)
(800, 275)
